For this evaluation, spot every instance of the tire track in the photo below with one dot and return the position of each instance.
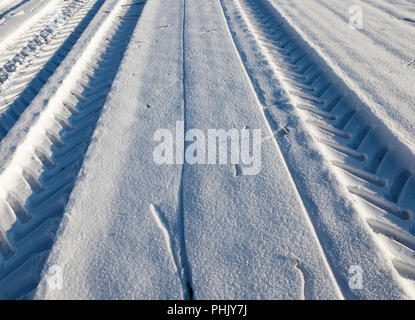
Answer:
(45, 166)
(268, 121)
(37, 55)
(376, 168)
(186, 277)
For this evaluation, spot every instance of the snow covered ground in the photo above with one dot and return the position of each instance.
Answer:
(87, 213)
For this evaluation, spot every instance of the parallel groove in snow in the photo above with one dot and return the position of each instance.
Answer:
(381, 168)
(53, 155)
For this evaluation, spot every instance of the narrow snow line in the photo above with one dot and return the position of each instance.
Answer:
(187, 275)
(268, 121)
(28, 80)
(42, 40)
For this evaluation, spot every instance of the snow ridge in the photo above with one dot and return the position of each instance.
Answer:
(268, 121)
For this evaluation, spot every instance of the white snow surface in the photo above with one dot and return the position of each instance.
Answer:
(133, 229)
